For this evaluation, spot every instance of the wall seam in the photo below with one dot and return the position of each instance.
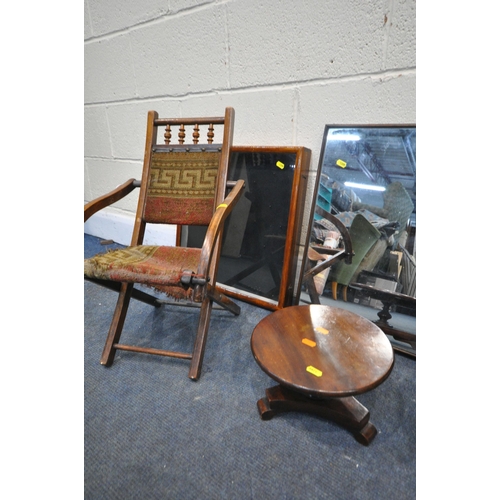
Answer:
(228, 49)
(158, 19)
(381, 76)
(296, 108)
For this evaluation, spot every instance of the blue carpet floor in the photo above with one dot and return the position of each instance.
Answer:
(152, 433)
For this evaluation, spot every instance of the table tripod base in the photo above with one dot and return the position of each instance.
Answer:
(345, 411)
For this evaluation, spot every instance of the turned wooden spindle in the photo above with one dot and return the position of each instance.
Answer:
(196, 134)
(182, 134)
(167, 135)
(210, 134)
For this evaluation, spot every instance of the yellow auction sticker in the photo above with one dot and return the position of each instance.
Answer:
(280, 164)
(314, 371)
(341, 163)
(308, 342)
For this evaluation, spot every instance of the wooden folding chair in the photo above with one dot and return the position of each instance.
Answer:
(182, 184)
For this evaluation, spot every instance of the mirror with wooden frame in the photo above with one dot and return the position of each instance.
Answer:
(267, 232)
(366, 179)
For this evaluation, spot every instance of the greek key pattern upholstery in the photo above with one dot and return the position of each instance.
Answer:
(183, 175)
(182, 187)
(96, 267)
(157, 266)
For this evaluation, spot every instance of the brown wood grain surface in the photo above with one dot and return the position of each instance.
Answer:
(347, 354)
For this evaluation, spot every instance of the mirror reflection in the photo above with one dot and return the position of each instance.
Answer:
(367, 182)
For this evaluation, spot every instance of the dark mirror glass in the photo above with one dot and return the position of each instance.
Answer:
(253, 252)
(367, 180)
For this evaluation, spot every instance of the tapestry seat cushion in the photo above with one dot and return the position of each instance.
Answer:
(160, 267)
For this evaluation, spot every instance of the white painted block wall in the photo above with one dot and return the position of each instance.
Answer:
(288, 67)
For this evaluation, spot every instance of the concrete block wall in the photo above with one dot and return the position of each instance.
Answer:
(288, 67)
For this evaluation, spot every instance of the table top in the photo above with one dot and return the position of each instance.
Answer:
(322, 351)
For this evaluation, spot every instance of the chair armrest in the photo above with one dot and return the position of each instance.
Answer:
(108, 199)
(217, 223)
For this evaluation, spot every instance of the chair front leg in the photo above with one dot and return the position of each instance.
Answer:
(115, 330)
(201, 338)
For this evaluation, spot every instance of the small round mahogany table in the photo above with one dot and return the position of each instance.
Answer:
(321, 357)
